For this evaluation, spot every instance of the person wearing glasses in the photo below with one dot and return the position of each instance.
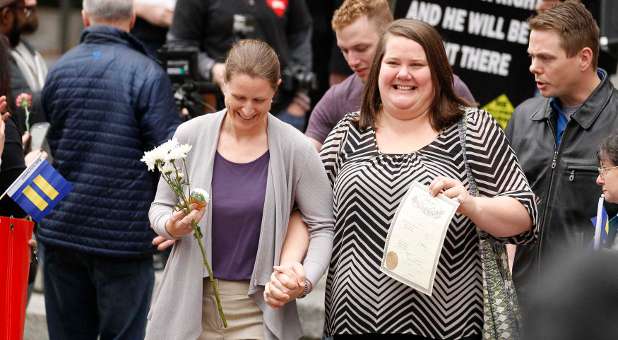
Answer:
(608, 170)
(556, 137)
(608, 181)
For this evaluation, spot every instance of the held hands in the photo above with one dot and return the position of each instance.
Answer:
(179, 224)
(454, 189)
(287, 282)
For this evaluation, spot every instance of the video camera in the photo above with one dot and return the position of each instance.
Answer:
(297, 77)
(181, 65)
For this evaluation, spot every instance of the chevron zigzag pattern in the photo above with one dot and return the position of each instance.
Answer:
(368, 187)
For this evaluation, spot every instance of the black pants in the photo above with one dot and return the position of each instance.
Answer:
(89, 296)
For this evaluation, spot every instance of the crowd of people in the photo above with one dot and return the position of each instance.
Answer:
(285, 207)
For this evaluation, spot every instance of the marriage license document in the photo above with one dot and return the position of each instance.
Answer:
(415, 238)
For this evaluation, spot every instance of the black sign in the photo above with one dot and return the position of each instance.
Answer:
(486, 42)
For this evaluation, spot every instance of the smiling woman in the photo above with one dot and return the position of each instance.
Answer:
(247, 100)
(256, 169)
(250, 82)
(411, 128)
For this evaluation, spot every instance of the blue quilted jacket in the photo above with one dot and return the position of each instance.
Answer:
(107, 103)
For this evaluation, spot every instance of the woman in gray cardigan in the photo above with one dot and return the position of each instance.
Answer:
(256, 169)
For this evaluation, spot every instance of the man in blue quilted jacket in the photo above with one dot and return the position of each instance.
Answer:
(107, 102)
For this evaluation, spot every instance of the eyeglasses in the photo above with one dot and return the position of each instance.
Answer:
(603, 171)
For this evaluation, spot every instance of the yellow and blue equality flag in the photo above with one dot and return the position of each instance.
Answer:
(608, 227)
(38, 189)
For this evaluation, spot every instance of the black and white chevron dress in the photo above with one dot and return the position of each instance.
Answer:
(368, 187)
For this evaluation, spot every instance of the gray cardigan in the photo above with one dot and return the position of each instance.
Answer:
(295, 176)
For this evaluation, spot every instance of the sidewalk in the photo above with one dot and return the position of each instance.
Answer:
(36, 327)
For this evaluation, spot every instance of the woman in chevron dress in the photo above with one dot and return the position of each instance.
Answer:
(407, 131)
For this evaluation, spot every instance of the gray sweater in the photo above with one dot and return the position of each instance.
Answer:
(295, 176)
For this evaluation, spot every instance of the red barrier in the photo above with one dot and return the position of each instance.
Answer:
(14, 265)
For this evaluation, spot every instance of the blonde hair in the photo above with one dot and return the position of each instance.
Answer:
(254, 58)
(377, 11)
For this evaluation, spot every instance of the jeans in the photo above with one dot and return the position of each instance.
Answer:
(89, 297)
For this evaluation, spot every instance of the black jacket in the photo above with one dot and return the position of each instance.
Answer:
(214, 26)
(11, 167)
(562, 177)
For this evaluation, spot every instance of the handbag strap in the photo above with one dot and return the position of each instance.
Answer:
(463, 126)
(473, 188)
(493, 260)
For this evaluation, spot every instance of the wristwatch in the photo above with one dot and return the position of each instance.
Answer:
(306, 289)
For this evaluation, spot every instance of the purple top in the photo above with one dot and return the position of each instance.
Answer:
(346, 97)
(238, 192)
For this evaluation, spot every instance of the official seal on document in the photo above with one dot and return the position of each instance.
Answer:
(391, 260)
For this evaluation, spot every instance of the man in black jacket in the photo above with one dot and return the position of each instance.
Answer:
(214, 25)
(556, 136)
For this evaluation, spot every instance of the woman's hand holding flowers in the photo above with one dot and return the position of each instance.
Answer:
(170, 159)
(179, 224)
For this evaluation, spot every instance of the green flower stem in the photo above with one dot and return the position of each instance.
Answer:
(184, 165)
(197, 233)
(177, 183)
(27, 117)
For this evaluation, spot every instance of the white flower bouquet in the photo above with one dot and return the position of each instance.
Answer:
(170, 159)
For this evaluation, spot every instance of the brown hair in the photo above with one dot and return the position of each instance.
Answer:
(377, 11)
(575, 26)
(445, 108)
(609, 149)
(254, 58)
